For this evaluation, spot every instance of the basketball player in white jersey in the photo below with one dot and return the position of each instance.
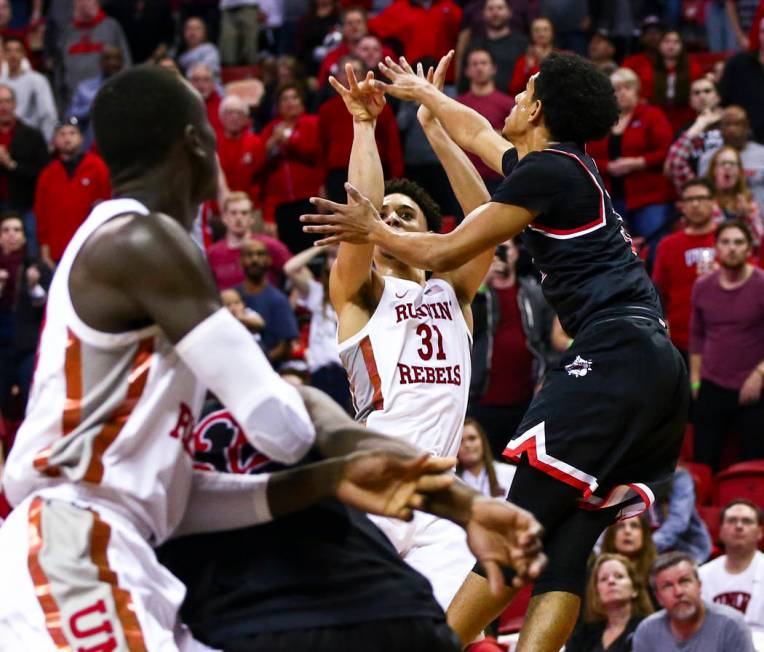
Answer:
(101, 469)
(405, 340)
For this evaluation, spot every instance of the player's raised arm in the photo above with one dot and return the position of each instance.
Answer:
(469, 129)
(352, 268)
(359, 222)
(466, 182)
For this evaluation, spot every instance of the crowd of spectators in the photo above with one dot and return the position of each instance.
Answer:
(684, 166)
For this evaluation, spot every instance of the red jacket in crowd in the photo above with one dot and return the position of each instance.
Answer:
(213, 110)
(293, 172)
(335, 126)
(648, 135)
(62, 202)
(521, 74)
(243, 161)
(423, 32)
(679, 260)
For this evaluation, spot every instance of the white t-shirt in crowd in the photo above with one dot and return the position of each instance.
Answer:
(322, 336)
(504, 475)
(742, 591)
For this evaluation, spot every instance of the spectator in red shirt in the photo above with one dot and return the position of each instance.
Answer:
(293, 173)
(630, 160)
(542, 45)
(727, 350)
(335, 127)
(202, 79)
(240, 226)
(67, 189)
(487, 101)
(241, 152)
(685, 255)
(666, 82)
(424, 30)
(649, 38)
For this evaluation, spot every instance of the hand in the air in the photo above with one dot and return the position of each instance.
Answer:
(502, 534)
(355, 222)
(406, 84)
(437, 77)
(389, 484)
(363, 101)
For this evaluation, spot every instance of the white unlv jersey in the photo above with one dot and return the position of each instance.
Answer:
(410, 366)
(110, 415)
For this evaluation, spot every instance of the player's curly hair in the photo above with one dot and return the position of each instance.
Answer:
(578, 101)
(429, 206)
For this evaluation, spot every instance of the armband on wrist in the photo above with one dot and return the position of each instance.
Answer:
(695, 385)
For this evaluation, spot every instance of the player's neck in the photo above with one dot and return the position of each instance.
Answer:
(536, 139)
(400, 270)
(161, 194)
(738, 561)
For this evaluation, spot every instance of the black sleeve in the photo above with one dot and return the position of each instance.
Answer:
(534, 183)
(508, 161)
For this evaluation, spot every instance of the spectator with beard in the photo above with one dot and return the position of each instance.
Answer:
(495, 35)
(202, 78)
(267, 301)
(685, 255)
(602, 53)
(241, 151)
(224, 257)
(727, 350)
(687, 622)
(492, 104)
(67, 189)
(735, 128)
(737, 577)
(34, 98)
(701, 136)
(733, 196)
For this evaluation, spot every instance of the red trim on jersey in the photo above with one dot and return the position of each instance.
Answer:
(111, 429)
(371, 367)
(529, 446)
(42, 586)
(123, 601)
(594, 503)
(594, 224)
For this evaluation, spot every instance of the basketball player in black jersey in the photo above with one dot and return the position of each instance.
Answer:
(603, 435)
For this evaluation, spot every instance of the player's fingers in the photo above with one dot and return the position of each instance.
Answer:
(436, 464)
(420, 69)
(432, 483)
(332, 229)
(337, 86)
(327, 205)
(538, 565)
(406, 66)
(352, 81)
(355, 194)
(326, 242)
(392, 65)
(494, 576)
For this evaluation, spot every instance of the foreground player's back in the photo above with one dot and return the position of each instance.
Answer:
(410, 366)
(108, 413)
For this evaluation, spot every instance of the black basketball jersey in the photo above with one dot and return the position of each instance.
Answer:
(578, 242)
(325, 566)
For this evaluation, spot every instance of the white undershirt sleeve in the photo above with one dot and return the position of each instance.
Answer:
(223, 356)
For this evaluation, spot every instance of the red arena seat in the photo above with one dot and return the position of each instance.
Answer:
(236, 73)
(742, 480)
(703, 477)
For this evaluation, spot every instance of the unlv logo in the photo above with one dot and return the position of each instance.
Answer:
(220, 445)
(87, 623)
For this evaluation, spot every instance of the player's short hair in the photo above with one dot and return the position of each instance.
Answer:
(735, 224)
(669, 560)
(139, 115)
(698, 182)
(747, 503)
(429, 206)
(578, 100)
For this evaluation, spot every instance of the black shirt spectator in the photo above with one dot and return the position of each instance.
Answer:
(148, 26)
(742, 83)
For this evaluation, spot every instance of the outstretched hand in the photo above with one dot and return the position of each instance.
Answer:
(501, 534)
(354, 222)
(363, 101)
(405, 83)
(389, 484)
(437, 77)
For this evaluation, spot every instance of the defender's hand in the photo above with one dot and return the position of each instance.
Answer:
(363, 101)
(437, 78)
(388, 484)
(406, 84)
(502, 534)
(355, 222)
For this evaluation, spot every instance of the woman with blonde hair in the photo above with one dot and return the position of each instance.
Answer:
(616, 602)
(476, 465)
(733, 196)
